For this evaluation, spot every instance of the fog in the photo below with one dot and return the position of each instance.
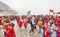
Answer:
(36, 6)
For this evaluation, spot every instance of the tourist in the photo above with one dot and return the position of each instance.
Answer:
(40, 24)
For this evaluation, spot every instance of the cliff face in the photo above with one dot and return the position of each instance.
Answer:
(6, 10)
(3, 7)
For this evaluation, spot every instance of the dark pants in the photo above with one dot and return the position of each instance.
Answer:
(39, 28)
(56, 34)
(35, 26)
(32, 29)
(4, 33)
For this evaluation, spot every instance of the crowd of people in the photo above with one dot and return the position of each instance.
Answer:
(6, 27)
(48, 23)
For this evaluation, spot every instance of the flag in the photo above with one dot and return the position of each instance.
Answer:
(51, 10)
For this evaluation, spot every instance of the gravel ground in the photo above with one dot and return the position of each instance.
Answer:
(22, 32)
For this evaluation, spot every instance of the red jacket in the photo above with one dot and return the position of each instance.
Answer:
(57, 22)
(48, 33)
(17, 19)
(20, 23)
(45, 22)
(10, 32)
(25, 22)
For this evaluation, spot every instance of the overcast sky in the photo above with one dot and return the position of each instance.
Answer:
(39, 6)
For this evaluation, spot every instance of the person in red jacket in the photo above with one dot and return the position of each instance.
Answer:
(10, 31)
(44, 27)
(17, 18)
(48, 33)
(58, 31)
(20, 23)
(25, 21)
(57, 23)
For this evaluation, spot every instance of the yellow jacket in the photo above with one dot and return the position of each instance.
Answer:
(39, 23)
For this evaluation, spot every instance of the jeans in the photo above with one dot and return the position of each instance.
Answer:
(56, 34)
(43, 35)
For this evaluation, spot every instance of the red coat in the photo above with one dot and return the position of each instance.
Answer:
(58, 31)
(45, 22)
(20, 23)
(10, 31)
(48, 33)
(17, 19)
(57, 22)
(25, 22)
